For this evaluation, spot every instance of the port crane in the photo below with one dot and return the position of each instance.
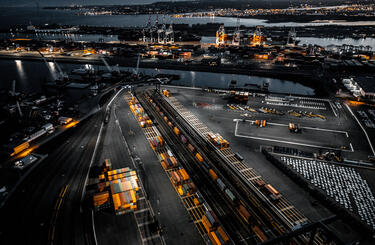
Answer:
(63, 75)
(15, 95)
(136, 70)
(53, 73)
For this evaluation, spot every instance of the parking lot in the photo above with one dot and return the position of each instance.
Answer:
(342, 184)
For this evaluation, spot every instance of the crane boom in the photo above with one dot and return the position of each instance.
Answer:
(106, 64)
(53, 73)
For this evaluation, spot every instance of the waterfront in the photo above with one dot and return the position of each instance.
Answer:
(29, 75)
(324, 42)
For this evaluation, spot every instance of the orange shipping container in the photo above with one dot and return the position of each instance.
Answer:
(164, 165)
(174, 161)
(176, 131)
(215, 239)
(207, 225)
(223, 234)
(184, 175)
(199, 157)
(272, 190)
(213, 174)
(244, 213)
(259, 234)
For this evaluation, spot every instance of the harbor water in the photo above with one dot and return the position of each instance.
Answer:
(31, 74)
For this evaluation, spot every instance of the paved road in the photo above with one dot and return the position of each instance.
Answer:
(165, 201)
(27, 216)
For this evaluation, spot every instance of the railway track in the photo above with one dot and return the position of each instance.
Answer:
(239, 231)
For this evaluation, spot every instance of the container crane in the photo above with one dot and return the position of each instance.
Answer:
(53, 73)
(15, 95)
(63, 75)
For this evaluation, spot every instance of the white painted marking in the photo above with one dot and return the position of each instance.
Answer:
(351, 146)
(286, 125)
(281, 141)
(334, 112)
(93, 227)
(368, 139)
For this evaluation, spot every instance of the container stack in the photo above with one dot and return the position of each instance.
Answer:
(168, 161)
(218, 141)
(118, 187)
(157, 143)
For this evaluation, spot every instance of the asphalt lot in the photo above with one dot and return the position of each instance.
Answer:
(211, 110)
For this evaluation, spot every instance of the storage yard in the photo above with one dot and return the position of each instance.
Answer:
(286, 218)
(201, 102)
(172, 166)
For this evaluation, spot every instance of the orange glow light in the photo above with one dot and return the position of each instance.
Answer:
(355, 103)
(72, 124)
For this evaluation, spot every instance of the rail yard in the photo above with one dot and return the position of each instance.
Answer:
(263, 212)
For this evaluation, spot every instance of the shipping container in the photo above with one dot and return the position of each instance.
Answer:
(272, 190)
(199, 157)
(260, 183)
(191, 148)
(259, 234)
(183, 139)
(211, 218)
(230, 195)
(213, 174)
(107, 165)
(238, 156)
(176, 131)
(244, 213)
(223, 234)
(214, 239)
(206, 223)
(221, 184)
(205, 165)
(20, 148)
(184, 174)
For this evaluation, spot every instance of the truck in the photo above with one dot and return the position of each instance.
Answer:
(294, 128)
(260, 123)
(48, 127)
(238, 156)
(65, 120)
